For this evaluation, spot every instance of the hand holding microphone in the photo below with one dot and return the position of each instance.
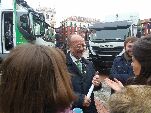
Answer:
(95, 82)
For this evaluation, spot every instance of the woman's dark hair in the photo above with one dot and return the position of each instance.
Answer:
(35, 79)
(142, 53)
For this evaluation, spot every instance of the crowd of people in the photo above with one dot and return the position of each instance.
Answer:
(41, 79)
(135, 96)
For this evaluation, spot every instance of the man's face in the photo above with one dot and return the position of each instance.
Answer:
(77, 48)
(128, 48)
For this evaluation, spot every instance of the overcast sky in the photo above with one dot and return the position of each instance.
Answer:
(95, 8)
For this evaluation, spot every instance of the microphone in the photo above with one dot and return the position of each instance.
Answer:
(90, 91)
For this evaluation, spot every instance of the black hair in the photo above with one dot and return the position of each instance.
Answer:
(142, 53)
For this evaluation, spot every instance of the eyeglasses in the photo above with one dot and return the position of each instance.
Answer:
(80, 46)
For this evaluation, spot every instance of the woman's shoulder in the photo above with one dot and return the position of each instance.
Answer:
(132, 96)
(137, 89)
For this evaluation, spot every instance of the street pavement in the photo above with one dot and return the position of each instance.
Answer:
(102, 96)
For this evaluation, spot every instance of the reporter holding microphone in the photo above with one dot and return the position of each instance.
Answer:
(83, 75)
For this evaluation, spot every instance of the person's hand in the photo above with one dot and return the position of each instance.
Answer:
(96, 81)
(86, 101)
(115, 85)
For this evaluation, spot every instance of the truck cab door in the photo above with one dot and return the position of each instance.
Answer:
(6, 32)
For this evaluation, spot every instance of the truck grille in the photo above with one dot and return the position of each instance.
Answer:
(107, 51)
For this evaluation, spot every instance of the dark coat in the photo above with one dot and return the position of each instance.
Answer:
(81, 82)
(121, 69)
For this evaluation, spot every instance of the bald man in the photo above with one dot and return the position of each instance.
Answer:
(83, 74)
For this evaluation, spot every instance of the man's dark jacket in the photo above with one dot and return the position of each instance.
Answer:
(121, 69)
(81, 82)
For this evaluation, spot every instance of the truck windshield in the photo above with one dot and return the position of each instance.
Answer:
(109, 34)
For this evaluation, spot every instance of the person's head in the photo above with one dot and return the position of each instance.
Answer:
(128, 45)
(132, 99)
(35, 79)
(76, 45)
(141, 59)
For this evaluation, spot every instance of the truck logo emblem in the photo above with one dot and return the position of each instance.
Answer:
(106, 45)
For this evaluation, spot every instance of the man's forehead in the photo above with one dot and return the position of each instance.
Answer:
(78, 42)
(130, 43)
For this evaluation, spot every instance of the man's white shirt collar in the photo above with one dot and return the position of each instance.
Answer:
(73, 58)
